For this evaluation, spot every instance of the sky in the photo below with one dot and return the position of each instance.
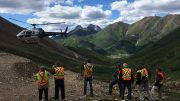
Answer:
(84, 12)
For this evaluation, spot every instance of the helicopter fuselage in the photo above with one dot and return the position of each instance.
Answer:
(36, 33)
(30, 35)
(33, 35)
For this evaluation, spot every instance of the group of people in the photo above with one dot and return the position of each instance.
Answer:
(42, 78)
(124, 77)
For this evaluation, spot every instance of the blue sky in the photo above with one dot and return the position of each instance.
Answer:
(84, 12)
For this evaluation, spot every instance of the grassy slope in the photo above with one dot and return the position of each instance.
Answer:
(164, 54)
(142, 30)
(103, 69)
(109, 35)
(99, 59)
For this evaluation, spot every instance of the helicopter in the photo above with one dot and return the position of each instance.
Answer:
(33, 35)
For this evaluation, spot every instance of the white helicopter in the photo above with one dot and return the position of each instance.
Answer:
(33, 35)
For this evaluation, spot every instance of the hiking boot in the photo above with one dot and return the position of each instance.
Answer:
(82, 97)
(109, 93)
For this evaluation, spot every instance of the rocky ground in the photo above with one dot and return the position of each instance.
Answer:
(17, 83)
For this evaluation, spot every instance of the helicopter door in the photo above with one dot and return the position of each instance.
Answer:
(28, 33)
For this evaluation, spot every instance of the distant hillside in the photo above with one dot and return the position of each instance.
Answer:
(81, 42)
(46, 51)
(121, 38)
(80, 31)
(103, 40)
(165, 53)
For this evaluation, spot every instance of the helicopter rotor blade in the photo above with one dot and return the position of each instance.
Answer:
(36, 24)
(51, 23)
(19, 21)
(28, 27)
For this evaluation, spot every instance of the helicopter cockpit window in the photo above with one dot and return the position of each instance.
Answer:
(28, 33)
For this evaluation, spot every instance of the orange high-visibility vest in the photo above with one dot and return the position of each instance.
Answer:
(42, 78)
(126, 73)
(59, 73)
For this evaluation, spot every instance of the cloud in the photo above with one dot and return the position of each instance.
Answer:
(21, 6)
(92, 12)
(61, 12)
(119, 5)
(73, 15)
(29, 6)
(74, 12)
(131, 12)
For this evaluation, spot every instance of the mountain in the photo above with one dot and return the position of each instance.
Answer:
(94, 28)
(164, 54)
(109, 37)
(107, 41)
(124, 38)
(47, 51)
(80, 31)
(151, 29)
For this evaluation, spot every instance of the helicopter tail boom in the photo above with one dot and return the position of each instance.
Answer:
(55, 33)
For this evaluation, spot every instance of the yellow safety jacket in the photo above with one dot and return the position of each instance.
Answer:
(144, 72)
(42, 78)
(126, 73)
(59, 73)
(88, 69)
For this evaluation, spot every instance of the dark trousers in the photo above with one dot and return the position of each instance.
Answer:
(112, 83)
(59, 85)
(45, 90)
(89, 79)
(128, 85)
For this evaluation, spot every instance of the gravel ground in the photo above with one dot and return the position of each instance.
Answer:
(14, 87)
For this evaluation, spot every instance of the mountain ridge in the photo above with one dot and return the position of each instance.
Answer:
(137, 35)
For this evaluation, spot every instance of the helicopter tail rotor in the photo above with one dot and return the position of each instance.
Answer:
(65, 32)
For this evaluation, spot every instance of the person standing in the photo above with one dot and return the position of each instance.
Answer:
(145, 82)
(58, 73)
(116, 80)
(127, 78)
(142, 78)
(88, 71)
(42, 78)
(157, 87)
